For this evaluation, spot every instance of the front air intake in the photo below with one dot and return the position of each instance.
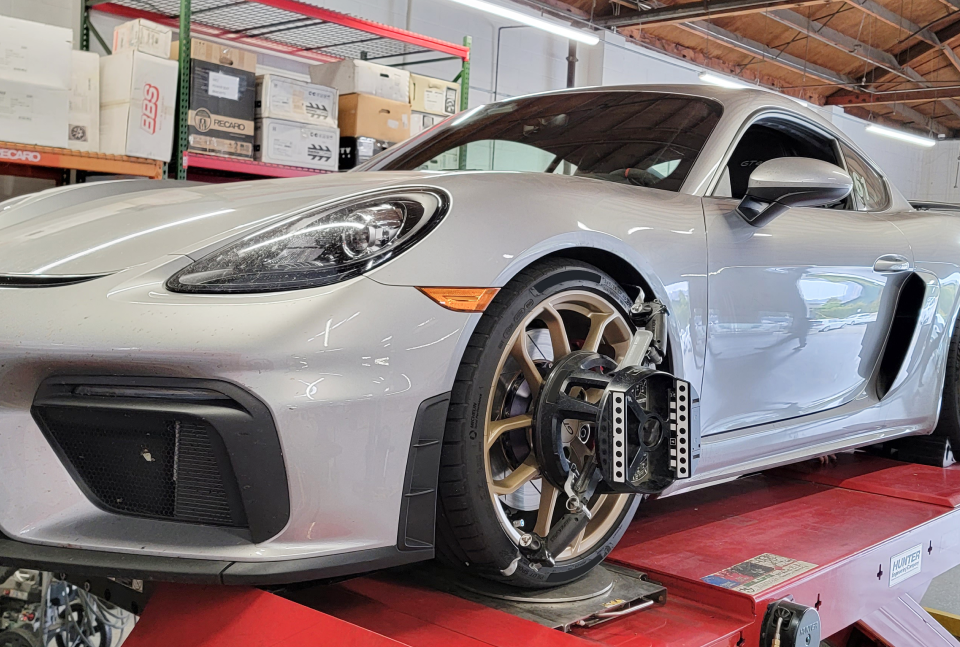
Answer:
(192, 451)
(147, 463)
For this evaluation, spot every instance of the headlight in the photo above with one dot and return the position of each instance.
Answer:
(318, 245)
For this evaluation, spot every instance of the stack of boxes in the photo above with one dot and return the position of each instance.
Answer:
(35, 78)
(381, 106)
(222, 98)
(296, 123)
(431, 101)
(374, 106)
(138, 90)
(125, 103)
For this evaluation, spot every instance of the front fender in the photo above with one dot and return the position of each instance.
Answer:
(500, 223)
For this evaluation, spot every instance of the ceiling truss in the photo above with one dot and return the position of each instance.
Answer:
(892, 67)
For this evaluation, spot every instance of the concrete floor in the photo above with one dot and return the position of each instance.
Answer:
(944, 593)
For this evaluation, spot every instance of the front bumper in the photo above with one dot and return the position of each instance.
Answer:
(343, 371)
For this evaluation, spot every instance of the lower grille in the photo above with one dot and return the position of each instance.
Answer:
(200, 495)
(146, 464)
(187, 450)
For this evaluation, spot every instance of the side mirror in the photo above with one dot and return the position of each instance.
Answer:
(786, 182)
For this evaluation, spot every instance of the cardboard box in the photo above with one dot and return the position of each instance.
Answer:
(281, 98)
(434, 96)
(144, 36)
(363, 77)
(363, 115)
(420, 121)
(137, 98)
(295, 144)
(83, 124)
(357, 150)
(33, 114)
(222, 99)
(36, 54)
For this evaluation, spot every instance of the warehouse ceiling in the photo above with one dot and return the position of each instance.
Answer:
(891, 61)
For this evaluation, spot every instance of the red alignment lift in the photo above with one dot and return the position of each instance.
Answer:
(842, 538)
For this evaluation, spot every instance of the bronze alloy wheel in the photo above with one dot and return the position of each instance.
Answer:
(539, 341)
(490, 488)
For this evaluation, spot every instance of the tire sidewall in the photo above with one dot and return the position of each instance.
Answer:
(538, 286)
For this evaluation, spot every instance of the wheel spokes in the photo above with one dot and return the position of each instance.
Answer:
(548, 501)
(499, 427)
(598, 325)
(527, 471)
(558, 331)
(521, 355)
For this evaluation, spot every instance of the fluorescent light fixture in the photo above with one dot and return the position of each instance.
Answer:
(723, 81)
(901, 135)
(532, 21)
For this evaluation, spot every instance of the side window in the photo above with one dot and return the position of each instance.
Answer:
(768, 139)
(869, 190)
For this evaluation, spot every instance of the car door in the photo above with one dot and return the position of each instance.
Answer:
(798, 309)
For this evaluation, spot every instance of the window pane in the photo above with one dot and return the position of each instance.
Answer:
(640, 138)
(869, 190)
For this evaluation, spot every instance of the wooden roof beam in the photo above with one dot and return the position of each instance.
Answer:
(838, 40)
(949, 104)
(768, 54)
(944, 36)
(896, 20)
(688, 11)
(897, 96)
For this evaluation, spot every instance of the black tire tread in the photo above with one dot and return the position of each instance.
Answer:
(463, 539)
(948, 424)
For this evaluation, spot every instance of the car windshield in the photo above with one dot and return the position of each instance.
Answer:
(641, 138)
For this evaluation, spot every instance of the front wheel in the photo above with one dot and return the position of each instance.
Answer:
(490, 489)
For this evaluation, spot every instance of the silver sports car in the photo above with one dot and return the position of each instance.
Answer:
(492, 343)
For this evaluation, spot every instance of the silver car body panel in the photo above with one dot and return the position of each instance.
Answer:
(344, 368)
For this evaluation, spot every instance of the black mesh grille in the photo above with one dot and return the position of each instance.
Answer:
(145, 465)
(200, 492)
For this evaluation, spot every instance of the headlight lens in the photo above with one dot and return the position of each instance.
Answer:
(319, 245)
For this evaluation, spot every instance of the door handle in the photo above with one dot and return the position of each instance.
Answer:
(891, 263)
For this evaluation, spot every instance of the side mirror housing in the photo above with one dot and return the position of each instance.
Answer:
(785, 182)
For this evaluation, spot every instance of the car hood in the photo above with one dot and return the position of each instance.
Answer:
(85, 232)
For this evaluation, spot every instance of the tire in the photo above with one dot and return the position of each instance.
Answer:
(948, 424)
(470, 530)
(18, 638)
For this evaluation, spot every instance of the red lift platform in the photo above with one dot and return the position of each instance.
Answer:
(859, 540)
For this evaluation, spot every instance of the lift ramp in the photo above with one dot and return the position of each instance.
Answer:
(859, 540)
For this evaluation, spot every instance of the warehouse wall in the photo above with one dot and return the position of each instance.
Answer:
(533, 61)
(62, 13)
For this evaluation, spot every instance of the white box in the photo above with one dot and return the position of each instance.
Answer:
(33, 114)
(137, 99)
(420, 121)
(144, 36)
(33, 53)
(363, 77)
(281, 98)
(83, 124)
(292, 144)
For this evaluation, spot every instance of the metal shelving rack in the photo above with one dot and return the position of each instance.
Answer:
(286, 27)
(56, 163)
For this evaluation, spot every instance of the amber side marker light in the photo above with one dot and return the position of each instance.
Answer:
(462, 299)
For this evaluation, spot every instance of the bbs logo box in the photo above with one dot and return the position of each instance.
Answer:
(222, 99)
